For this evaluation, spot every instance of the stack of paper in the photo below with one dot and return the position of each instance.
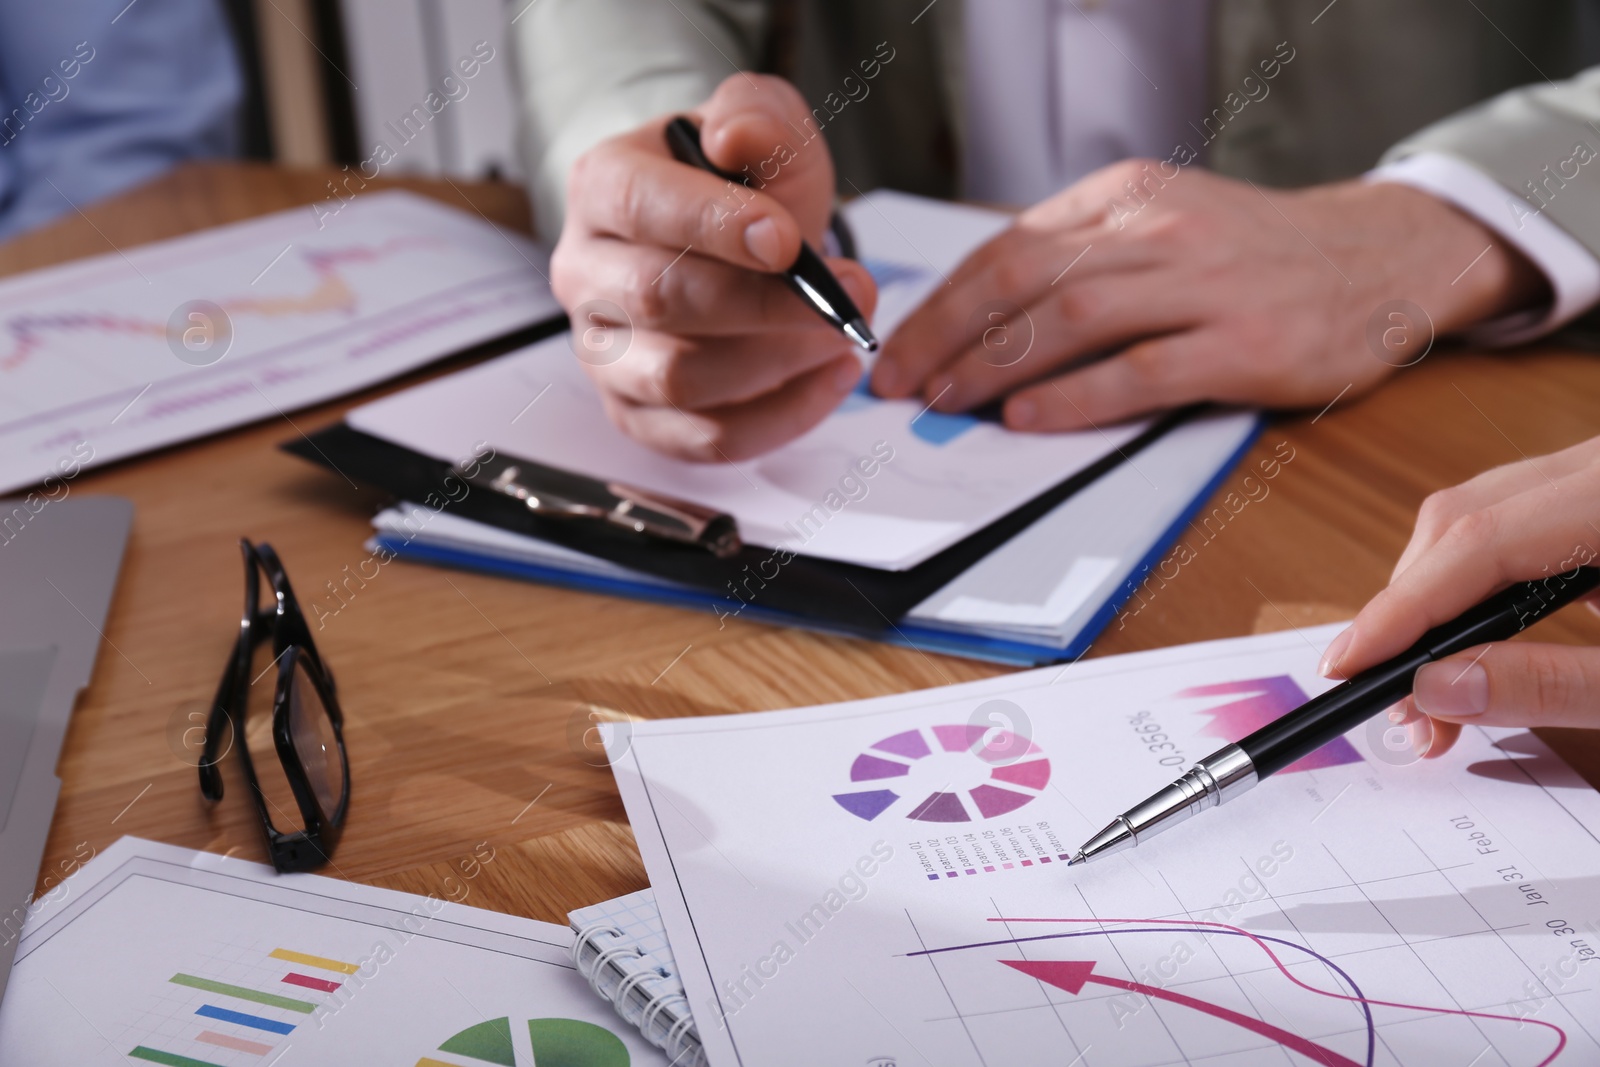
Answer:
(156, 954)
(885, 881)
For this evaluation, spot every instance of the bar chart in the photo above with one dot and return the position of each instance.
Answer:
(230, 1016)
(161, 955)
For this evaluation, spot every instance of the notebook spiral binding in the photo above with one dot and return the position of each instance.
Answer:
(624, 974)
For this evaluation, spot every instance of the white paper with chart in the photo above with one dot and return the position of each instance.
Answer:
(156, 954)
(934, 477)
(896, 868)
(115, 355)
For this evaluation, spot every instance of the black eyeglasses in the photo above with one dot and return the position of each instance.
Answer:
(303, 807)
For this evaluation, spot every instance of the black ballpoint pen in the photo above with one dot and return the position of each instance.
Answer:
(808, 275)
(1235, 768)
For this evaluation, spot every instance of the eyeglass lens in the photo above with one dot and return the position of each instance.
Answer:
(311, 730)
(282, 808)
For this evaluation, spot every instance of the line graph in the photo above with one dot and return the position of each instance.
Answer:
(332, 292)
(94, 351)
(1072, 975)
(1356, 913)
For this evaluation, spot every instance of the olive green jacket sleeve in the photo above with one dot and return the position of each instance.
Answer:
(591, 69)
(1542, 142)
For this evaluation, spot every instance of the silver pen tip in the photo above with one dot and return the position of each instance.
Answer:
(1116, 837)
(861, 334)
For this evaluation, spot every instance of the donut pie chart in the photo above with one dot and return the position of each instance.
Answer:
(1017, 772)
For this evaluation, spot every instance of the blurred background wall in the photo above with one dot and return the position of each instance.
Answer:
(328, 80)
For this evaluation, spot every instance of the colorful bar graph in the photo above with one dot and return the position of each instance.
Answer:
(271, 1000)
(238, 1044)
(322, 985)
(321, 963)
(170, 1059)
(233, 1042)
(228, 1015)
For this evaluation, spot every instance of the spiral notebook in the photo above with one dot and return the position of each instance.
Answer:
(622, 950)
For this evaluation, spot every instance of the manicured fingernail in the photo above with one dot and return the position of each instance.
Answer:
(1397, 715)
(1336, 650)
(1449, 690)
(761, 238)
(847, 374)
(1420, 734)
(1021, 413)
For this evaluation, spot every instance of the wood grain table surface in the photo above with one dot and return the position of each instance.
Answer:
(470, 700)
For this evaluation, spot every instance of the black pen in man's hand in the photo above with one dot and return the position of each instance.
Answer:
(808, 275)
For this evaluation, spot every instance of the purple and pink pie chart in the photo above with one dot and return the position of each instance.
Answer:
(952, 773)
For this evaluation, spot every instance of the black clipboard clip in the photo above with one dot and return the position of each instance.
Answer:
(554, 493)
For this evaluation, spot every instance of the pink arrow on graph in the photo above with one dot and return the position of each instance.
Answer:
(1072, 975)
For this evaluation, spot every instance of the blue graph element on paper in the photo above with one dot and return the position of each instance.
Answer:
(934, 427)
(886, 272)
(938, 428)
(227, 1015)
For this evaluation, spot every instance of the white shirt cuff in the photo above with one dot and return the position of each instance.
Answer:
(1572, 270)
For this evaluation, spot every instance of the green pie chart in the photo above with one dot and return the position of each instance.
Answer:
(556, 1043)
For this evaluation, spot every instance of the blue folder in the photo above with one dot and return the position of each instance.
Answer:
(1227, 450)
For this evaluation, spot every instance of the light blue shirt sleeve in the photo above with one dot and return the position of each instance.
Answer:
(97, 96)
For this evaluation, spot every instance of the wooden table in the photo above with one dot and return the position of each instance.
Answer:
(468, 697)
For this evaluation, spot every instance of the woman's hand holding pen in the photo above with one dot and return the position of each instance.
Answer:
(723, 361)
(1530, 520)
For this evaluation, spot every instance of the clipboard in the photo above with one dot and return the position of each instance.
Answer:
(855, 598)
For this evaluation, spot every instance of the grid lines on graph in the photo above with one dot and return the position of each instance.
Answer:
(236, 1006)
(1412, 969)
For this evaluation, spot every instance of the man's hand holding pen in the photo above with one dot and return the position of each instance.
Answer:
(725, 361)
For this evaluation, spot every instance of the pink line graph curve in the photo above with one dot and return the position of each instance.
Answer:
(1561, 1035)
(332, 292)
(1071, 975)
